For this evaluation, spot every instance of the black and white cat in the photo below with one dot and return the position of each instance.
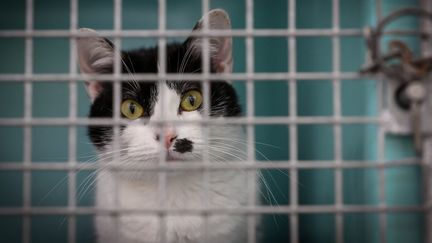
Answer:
(139, 141)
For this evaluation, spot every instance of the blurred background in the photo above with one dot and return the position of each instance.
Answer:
(314, 98)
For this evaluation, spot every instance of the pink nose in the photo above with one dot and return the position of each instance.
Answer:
(169, 138)
(169, 134)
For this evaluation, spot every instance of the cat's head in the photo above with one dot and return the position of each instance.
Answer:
(181, 100)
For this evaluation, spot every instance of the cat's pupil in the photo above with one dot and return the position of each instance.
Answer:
(191, 100)
(132, 108)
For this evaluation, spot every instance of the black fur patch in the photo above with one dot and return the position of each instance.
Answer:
(183, 145)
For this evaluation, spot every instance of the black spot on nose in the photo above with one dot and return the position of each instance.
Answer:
(183, 145)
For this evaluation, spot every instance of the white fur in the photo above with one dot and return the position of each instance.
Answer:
(184, 190)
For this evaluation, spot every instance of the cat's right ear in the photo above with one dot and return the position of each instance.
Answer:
(220, 47)
(95, 56)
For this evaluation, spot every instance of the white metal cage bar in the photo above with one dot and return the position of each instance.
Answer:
(206, 67)
(427, 180)
(427, 144)
(381, 146)
(229, 120)
(337, 129)
(292, 68)
(250, 100)
(185, 33)
(162, 67)
(116, 110)
(28, 94)
(300, 164)
(257, 210)
(178, 77)
(72, 148)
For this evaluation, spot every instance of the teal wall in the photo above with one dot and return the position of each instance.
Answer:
(315, 142)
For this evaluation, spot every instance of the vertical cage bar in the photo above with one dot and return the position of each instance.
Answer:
(250, 89)
(161, 81)
(427, 182)
(337, 130)
(382, 178)
(72, 128)
(205, 62)
(381, 145)
(427, 144)
(294, 221)
(28, 94)
(116, 108)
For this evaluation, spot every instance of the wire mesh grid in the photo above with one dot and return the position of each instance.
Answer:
(293, 165)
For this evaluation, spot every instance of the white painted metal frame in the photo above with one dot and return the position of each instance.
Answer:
(72, 149)
(427, 144)
(292, 68)
(337, 128)
(28, 94)
(250, 111)
(252, 210)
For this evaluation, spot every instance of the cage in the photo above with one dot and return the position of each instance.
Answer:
(316, 128)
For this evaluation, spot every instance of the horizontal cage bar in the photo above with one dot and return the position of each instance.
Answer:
(230, 165)
(280, 209)
(185, 33)
(209, 121)
(180, 77)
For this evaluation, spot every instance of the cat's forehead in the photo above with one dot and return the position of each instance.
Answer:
(179, 59)
(152, 89)
(183, 86)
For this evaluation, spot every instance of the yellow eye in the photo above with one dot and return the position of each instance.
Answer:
(131, 109)
(191, 100)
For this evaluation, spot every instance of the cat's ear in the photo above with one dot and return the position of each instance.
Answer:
(220, 46)
(95, 56)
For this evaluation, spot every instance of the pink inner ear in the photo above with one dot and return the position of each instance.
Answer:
(223, 57)
(93, 89)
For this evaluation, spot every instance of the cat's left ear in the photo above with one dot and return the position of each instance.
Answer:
(220, 46)
(95, 56)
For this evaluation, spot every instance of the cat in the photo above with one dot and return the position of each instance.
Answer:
(139, 141)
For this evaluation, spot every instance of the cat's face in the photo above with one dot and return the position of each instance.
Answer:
(144, 102)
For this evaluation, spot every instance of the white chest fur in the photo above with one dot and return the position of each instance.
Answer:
(226, 189)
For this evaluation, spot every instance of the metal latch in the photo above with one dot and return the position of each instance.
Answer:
(408, 103)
